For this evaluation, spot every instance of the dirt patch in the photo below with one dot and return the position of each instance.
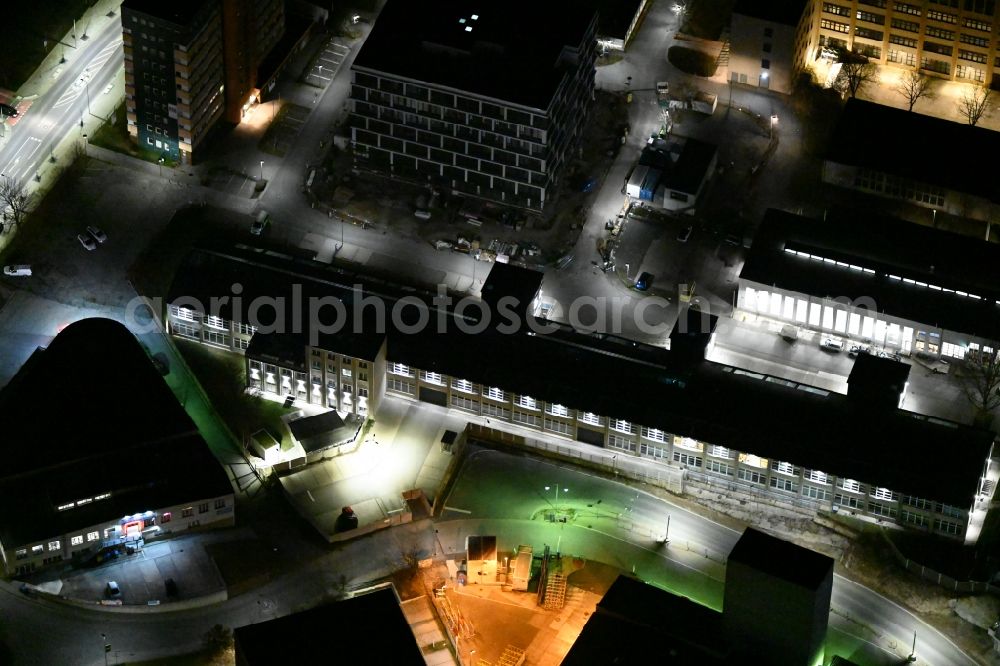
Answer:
(692, 61)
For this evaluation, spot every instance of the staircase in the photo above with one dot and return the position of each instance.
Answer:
(723, 59)
(555, 592)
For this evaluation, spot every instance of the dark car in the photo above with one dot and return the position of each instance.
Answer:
(8, 110)
(644, 281)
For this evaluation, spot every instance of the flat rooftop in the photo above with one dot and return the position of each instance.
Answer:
(890, 140)
(637, 623)
(180, 12)
(786, 12)
(651, 386)
(781, 559)
(682, 161)
(914, 272)
(114, 441)
(373, 629)
(508, 50)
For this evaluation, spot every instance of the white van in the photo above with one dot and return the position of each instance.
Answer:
(258, 226)
(17, 270)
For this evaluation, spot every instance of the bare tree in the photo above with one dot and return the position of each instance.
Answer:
(980, 381)
(856, 71)
(974, 103)
(914, 85)
(15, 200)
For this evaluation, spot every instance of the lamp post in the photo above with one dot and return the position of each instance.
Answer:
(774, 121)
(565, 490)
(262, 170)
(160, 162)
(107, 647)
(628, 272)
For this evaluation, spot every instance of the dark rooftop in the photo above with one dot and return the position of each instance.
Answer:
(615, 16)
(871, 373)
(781, 559)
(636, 623)
(130, 439)
(683, 164)
(889, 247)
(510, 51)
(786, 12)
(507, 281)
(653, 387)
(322, 431)
(180, 12)
(372, 629)
(860, 139)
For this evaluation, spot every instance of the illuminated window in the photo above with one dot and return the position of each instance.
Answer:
(54, 545)
(187, 512)
(76, 541)
(94, 536)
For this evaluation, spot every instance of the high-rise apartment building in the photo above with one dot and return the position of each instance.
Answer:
(486, 99)
(191, 62)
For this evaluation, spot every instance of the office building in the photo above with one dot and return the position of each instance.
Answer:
(897, 166)
(875, 281)
(775, 612)
(768, 42)
(99, 475)
(190, 63)
(372, 626)
(795, 445)
(487, 100)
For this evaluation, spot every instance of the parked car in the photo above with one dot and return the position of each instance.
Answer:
(112, 590)
(98, 235)
(17, 270)
(644, 281)
(260, 223)
(87, 242)
(789, 333)
(831, 343)
(443, 245)
(685, 234)
(8, 111)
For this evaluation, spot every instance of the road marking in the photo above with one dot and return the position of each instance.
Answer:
(451, 508)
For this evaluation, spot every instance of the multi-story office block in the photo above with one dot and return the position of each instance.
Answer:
(487, 102)
(792, 444)
(951, 39)
(173, 74)
(189, 63)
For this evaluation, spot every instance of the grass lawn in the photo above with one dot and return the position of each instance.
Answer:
(24, 30)
(222, 375)
(691, 61)
(114, 136)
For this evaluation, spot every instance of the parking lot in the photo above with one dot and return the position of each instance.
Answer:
(281, 133)
(142, 577)
(326, 64)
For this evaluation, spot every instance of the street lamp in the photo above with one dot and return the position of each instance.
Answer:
(627, 272)
(160, 162)
(774, 121)
(262, 170)
(107, 648)
(565, 490)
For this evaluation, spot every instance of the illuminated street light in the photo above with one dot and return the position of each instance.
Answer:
(262, 170)
(774, 121)
(160, 162)
(565, 490)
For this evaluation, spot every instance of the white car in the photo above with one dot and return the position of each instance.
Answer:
(98, 235)
(87, 242)
(17, 270)
(831, 343)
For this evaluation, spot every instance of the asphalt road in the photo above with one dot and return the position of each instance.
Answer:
(58, 112)
(616, 524)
